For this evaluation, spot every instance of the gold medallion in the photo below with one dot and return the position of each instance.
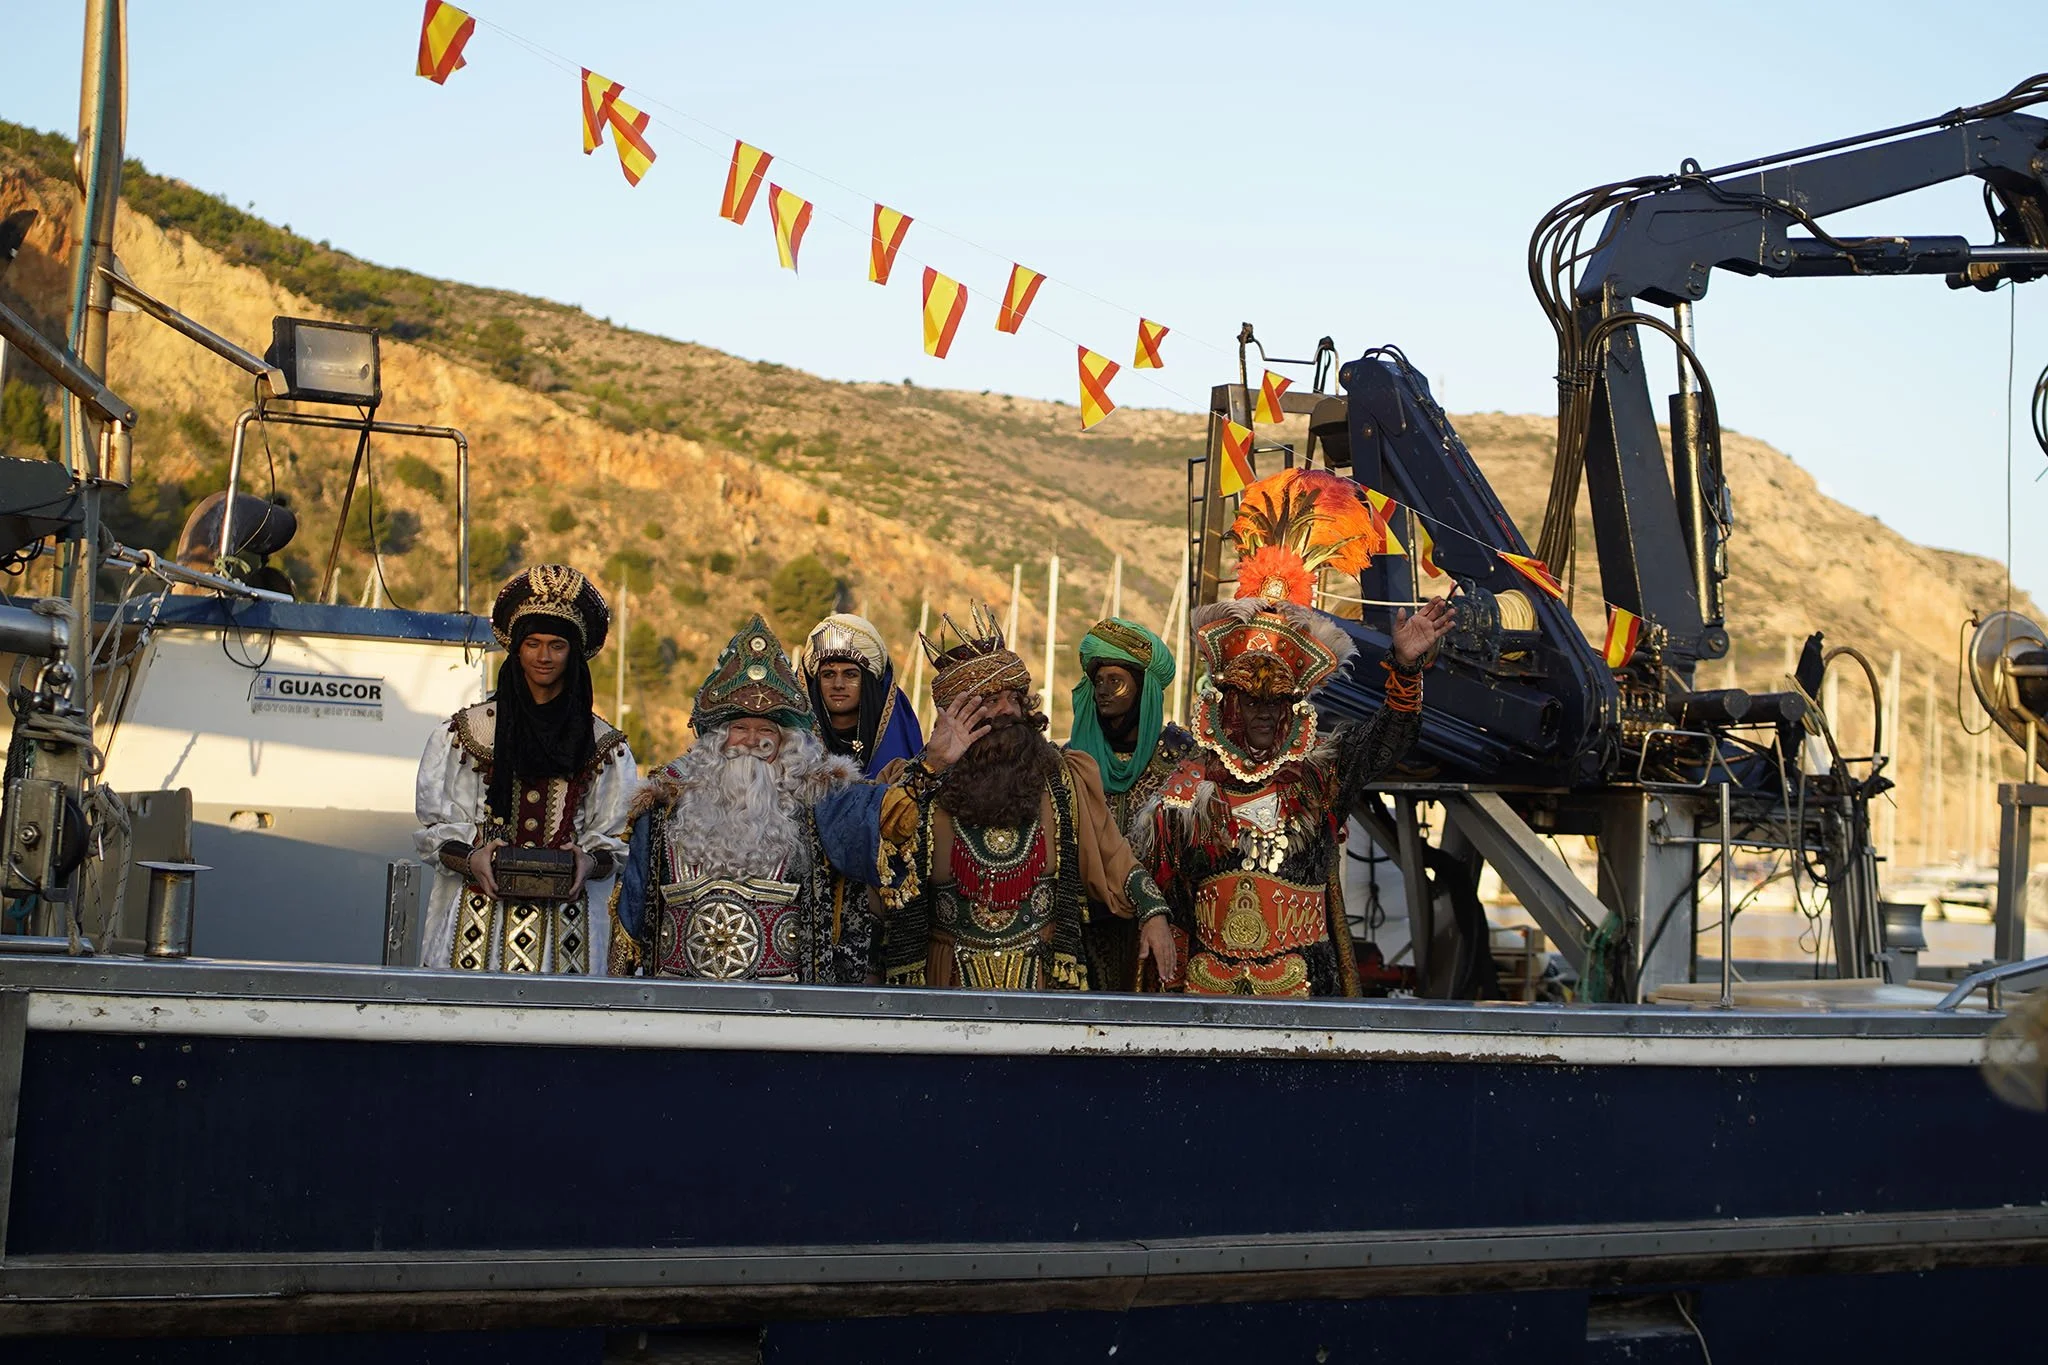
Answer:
(1244, 928)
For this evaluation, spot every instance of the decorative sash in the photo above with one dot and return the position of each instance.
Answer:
(1251, 915)
(730, 929)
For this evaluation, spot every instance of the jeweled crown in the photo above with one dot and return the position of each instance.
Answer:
(981, 662)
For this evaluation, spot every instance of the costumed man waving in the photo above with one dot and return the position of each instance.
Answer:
(530, 770)
(996, 841)
(1244, 837)
(851, 683)
(1120, 722)
(730, 872)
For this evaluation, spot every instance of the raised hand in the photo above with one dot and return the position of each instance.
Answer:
(1417, 633)
(955, 730)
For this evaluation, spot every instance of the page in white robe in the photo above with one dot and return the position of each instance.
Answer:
(449, 800)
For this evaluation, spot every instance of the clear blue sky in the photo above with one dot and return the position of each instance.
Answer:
(1370, 172)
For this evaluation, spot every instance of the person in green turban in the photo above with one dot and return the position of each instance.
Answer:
(1120, 722)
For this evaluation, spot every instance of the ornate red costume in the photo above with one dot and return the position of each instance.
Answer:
(1244, 844)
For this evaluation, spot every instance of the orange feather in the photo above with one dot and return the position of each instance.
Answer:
(1320, 517)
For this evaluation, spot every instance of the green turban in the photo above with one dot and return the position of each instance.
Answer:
(1119, 641)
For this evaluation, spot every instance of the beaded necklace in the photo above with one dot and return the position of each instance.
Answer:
(998, 867)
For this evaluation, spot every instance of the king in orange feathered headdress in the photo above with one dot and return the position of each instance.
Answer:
(1296, 523)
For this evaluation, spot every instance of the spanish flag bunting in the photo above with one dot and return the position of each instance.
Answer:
(1270, 389)
(792, 218)
(889, 229)
(1624, 629)
(598, 94)
(1017, 297)
(1235, 474)
(1096, 372)
(1150, 334)
(443, 33)
(1536, 571)
(1425, 548)
(945, 300)
(1383, 509)
(743, 181)
(629, 137)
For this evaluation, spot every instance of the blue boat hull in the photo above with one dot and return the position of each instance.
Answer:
(875, 1174)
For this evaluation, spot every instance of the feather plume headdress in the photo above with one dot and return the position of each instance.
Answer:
(1296, 523)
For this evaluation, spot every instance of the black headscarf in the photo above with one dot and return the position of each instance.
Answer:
(873, 692)
(537, 740)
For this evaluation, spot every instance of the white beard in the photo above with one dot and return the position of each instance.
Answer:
(739, 816)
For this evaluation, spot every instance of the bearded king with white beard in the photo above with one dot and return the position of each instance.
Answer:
(729, 873)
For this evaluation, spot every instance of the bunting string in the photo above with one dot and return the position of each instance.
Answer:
(1143, 326)
(446, 30)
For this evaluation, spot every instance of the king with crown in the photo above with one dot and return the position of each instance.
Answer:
(729, 874)
(994, 841)
(1243, 838)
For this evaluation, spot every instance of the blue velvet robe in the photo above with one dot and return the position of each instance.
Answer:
(901, 736)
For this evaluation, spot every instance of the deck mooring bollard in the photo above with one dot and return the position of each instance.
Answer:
(168, 930)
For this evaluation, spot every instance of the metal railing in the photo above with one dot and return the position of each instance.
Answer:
(326, 422)
(1990, 979)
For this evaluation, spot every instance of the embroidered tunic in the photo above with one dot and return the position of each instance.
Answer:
(468, 930)
(1111, 941)
(799, 922)
(1004, 909)
(1175, 745)
(1250, 867)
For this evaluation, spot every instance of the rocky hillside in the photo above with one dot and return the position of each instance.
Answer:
(714, 486)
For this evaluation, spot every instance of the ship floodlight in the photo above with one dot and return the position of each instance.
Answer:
(326, 362)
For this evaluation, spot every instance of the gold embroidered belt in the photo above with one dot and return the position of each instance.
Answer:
(1246, 914)
(1250, 929)
(730, 929)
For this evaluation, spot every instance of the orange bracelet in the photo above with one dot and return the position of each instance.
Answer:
(1404, 690)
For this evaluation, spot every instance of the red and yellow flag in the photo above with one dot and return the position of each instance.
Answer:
(1150, 334)
(1017, 297)
(443, 32)
(629, 137)
(792, 218)
(888, 237)
(1425, 548)
(603, 108)
(945, 299)
(743, 181)
(1536, 571)
(598, 94)
(1235, 474)
(1096, 372)
(1624, 629)
(1383, 509)
(1270, 389)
